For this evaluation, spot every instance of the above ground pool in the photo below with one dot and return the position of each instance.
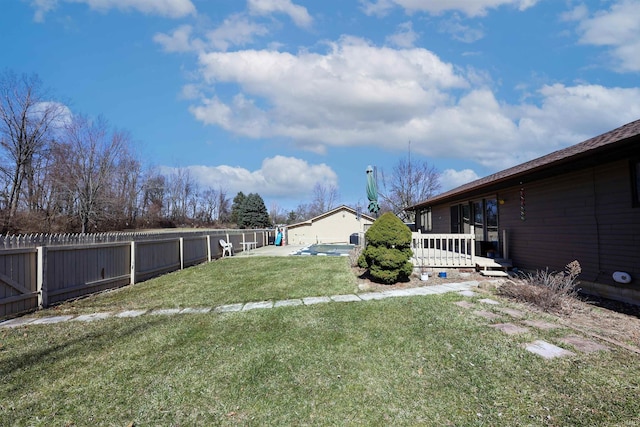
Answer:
(326, 249)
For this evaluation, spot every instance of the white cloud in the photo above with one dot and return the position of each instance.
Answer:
(278, 177)
(42, 7)
(344, 97)
(618, 28)
(237, 30)
(435, 7)
(570, 114)
(298, 14)
(358, 94)
(168, 8)
(179, 40)
(459, 31)
(378, 8)
(451, 178)
(405, 37)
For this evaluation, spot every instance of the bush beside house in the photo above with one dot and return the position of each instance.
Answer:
(388, 250)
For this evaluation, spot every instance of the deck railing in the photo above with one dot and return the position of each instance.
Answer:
(443, 250)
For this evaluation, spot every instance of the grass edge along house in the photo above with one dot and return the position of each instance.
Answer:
(579, 203)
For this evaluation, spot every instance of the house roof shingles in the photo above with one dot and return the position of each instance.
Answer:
(586, 148)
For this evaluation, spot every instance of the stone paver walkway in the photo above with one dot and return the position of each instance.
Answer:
(539, 347)
(257, 305)
(479, 307)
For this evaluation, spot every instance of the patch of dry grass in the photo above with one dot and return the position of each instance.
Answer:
(550, 291)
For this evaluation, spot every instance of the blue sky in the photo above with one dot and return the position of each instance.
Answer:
(274, 96)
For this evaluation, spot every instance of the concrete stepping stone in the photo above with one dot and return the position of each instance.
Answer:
(50, 320)
(546, 350)
(461, 286)
(315, 300)
(14, 323)
(166, 311)
(464, 304)
(92, 317)
(510, 328)
(584, 345)
(288, 303)
(346, 298)
(427, 290)
(486, 314)
(189, 310)
(131, 313)
(468, 293)
(511, 312)
(228, 308)
(257, 305)
(541, 324)
(489, 301)
(399, 293)
(372, 296)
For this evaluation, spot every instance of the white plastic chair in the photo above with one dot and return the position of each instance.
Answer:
(226, 248)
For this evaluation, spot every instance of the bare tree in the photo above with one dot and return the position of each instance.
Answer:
(127, 189)
(277, 215)
(208, 205)
(180, 189)
(153, 197)
(410, 182)
(224, 206)
(213, 205)
(27, 118)
(324, 198)
(89, 156)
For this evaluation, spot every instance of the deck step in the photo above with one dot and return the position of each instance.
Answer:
(494, 273)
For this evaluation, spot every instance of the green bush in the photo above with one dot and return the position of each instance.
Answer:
(388, 250)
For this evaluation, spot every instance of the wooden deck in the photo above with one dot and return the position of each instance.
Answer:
(454, 251)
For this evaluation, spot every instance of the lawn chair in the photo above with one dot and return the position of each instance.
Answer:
(226, 247)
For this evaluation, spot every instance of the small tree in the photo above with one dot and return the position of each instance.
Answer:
(254, 213)
(388, 250)
(237, 208)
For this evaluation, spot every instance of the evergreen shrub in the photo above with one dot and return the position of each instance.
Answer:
(388, 250)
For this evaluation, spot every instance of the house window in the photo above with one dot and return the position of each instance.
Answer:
(425, 220)
(455, 219)
(461, 218)
(635, 182)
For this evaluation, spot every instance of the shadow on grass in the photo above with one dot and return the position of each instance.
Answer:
(58, 349)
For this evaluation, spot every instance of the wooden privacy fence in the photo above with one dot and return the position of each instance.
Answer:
(443, 250)
(34, 276)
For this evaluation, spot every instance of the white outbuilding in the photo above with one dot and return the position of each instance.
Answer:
(335, 226)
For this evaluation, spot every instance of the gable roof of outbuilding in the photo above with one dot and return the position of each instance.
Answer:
(329, 213)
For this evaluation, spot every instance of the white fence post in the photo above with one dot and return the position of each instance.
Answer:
(181, 253)
(133, 263)
(208, 248)
(43, 298)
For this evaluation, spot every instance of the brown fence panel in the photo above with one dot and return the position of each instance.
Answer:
(194, 250)
(157, 257)
(77, 265)
(18, 281)
(74, 271)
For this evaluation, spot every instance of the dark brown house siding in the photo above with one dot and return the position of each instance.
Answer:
(560, 225)
(585, 215)
(579, 203)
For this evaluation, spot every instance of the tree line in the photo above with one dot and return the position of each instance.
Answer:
(72, 173)
(64, 172)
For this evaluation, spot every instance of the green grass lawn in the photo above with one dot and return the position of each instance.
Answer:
(400, 361)
(227, 281)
